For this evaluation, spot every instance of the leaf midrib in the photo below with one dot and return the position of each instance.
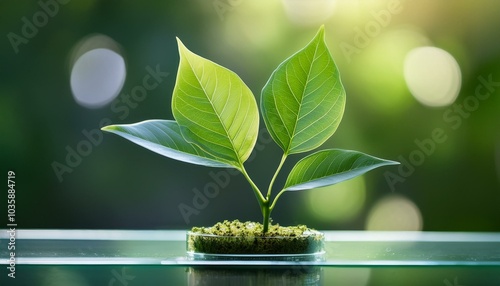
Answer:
(336, 174)
(302, 96)
(212, 105)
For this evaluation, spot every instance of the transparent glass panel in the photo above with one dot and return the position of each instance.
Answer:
(103, 257)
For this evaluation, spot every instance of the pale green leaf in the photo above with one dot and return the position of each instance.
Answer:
(164, 137)
(331, 166)
(303, 101)
(214, 108)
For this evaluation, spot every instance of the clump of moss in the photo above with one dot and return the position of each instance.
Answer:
(235, 237)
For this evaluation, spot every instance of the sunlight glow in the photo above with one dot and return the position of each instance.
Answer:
(309, 13)
(433, 76)
(382, 62)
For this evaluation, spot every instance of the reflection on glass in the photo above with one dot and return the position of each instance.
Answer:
(62, 276)
(347, 276)
(297, 275)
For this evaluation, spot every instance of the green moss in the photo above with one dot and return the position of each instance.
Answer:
(235, 237)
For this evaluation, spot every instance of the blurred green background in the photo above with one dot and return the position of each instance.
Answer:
(422, 81)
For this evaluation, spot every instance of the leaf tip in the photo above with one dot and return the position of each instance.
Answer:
(394, 162)
(182, 47)
(390, 162)
(108, 128)
(179, 42)
(321, 31)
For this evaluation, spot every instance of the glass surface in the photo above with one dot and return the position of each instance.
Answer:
(162, 254)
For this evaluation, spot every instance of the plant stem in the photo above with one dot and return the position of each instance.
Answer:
(258, 193)
(283, 158)
(275, 199)
(266, 209)
(264, 203)
(266, 213)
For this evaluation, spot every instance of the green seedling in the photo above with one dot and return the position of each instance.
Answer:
(217, 121)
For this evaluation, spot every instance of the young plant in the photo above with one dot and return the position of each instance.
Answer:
(217, 121)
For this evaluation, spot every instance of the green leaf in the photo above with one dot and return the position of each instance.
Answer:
(303, 101)
(331, 166)
(164, 137)
(214, 108)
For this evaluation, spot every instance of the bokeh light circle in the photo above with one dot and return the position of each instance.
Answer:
(97, 77)
(394, 212)
(432, 75)
(338, 203)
